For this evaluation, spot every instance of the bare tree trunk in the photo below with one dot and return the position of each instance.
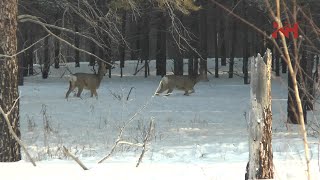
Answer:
(161, 45)
(57, 54)
(203, 39)
(178, 64)
(216, 43)
(46, 63)
(246, 45)
(190, 65)
(122, 45)
(9, 147)
(77, 45)
(92, 61)
(260, 164)
(145, 38)
(57, 45)
(233, 43)
(223, 43)
(309, 82)
(277, 58)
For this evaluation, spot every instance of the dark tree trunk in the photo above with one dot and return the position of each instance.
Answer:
(283, 66)
(137, 53)
(223, 43)
(108, 54)
(77, 44)
(190, 65)
(292, 108)
(309, 81)
(57, 44)
(178, 63)
(195, 66)
(161, 46)
(27, 30)
(29, 58)
(203, 39)
(277, 64)
(57, 54)
(145, 38)
(92, 61)
(122, 46)
(216, 46)
(9, 148)
(316, 74)
(246, 46)
(233, 43)
(46, 63)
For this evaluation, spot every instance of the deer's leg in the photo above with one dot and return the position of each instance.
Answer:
(169, 91)
(160, 89)
(71, 88)
(192, 91)
(80, 89)
(94, 92)
(186, 92)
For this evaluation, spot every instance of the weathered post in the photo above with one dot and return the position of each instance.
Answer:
(260, 126)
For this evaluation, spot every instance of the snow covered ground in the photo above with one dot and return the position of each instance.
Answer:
(201, 136)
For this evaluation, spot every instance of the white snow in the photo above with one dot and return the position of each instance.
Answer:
(201, 136)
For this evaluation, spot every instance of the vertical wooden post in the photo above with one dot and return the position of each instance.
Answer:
(260, 125)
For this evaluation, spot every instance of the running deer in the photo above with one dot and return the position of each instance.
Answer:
(87, 81)
(180, 82)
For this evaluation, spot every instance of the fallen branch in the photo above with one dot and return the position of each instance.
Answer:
(65, 150)
(6, 118)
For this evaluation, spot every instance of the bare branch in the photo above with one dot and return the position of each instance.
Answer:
(145, 141)
(65, 150)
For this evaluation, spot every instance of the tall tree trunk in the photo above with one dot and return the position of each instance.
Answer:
(122, 45)
(246, 45)
(216, 43)
(92, 61)
(57, 54)
(161, 45)
(108, 53)
(190, 65)
(309, 82)
(223, 43)
(57, 45)
(9, 148)
(277, 58)
(283, 66)
(77, 44)
(30, 51)
(27, 30)
(46, 62)
(145, 38)
(178, 62)
(233, 43)
(203, 39)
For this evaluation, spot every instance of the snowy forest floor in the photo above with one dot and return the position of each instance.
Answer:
(201, 136)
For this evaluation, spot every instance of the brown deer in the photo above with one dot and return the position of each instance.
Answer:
(180, 82)
(87, 81)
